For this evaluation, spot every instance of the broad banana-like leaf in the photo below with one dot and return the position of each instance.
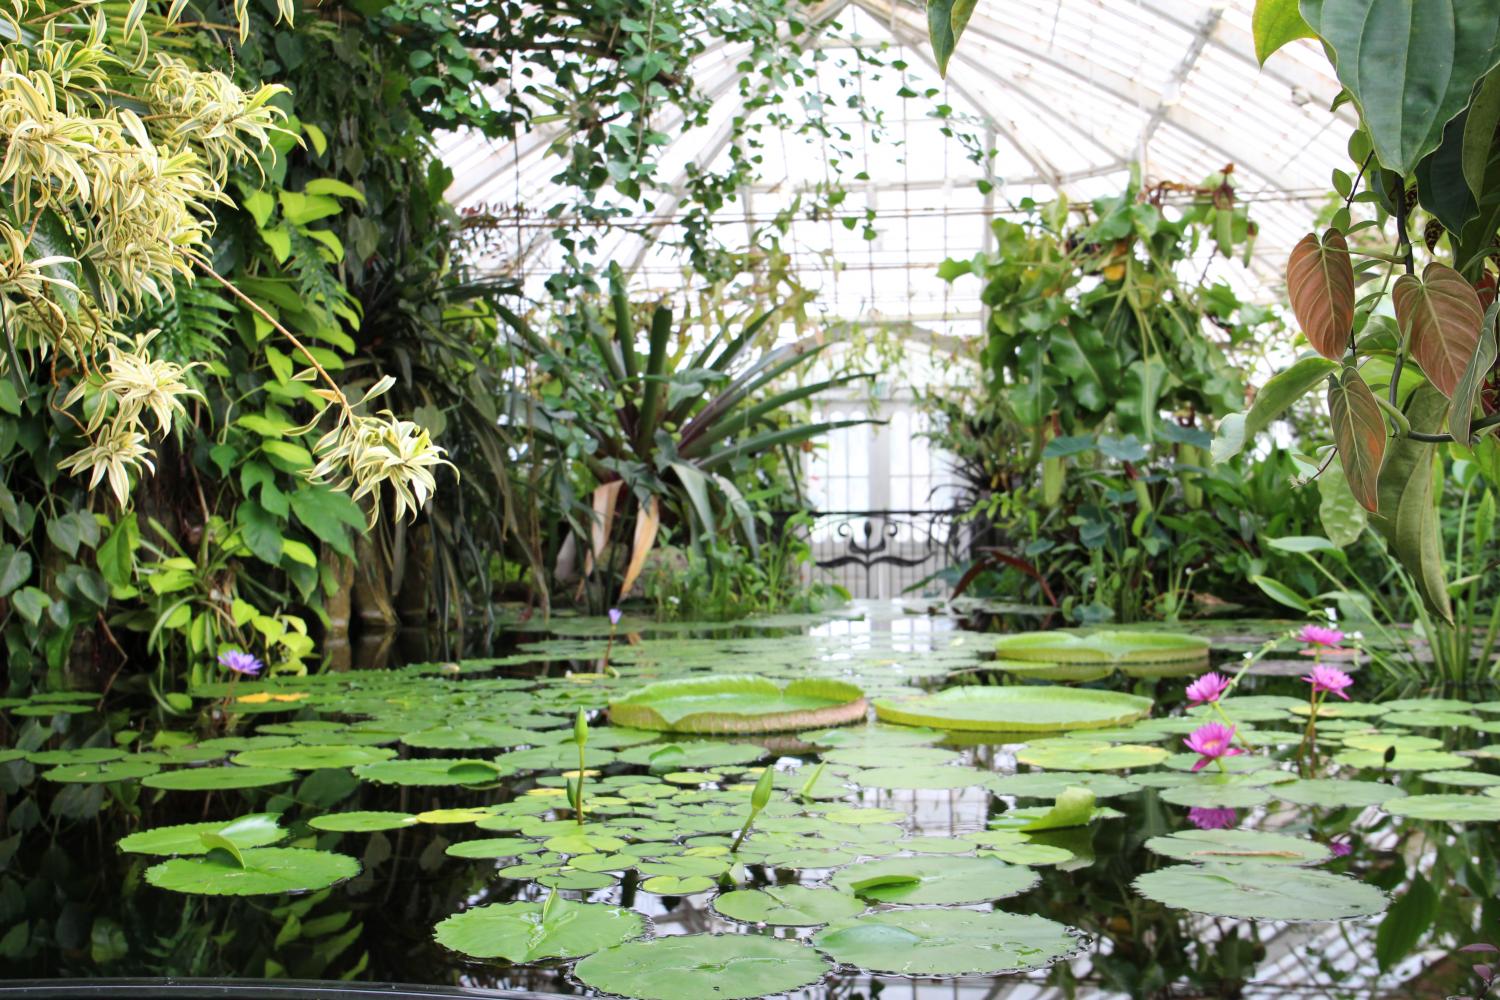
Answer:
(1320, 283)
(1408, 515)
(606, 500)
(1358, 433)
(1466, 396)
(1440, 316)
(646, 525)
(1410, 65)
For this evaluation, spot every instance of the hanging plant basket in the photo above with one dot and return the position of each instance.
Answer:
(720, 704)
(1017, 709)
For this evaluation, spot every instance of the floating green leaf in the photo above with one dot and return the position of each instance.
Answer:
(788, 905)
(695, 966)
(361, 822)
(1261, 892)
(738, 704)
(527, 932)
(947, 942)
(256, 830)
(214, 779)
(1448, 808)
(1239, 847)
(945, 880)
(265, 871)
(1081, 755)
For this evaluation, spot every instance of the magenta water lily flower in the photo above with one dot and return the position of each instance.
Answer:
(241, 662)
(1208, 688)
(1213, 819)
(1320, 637)
(615, 614)
(1210, 742)
(1328, 680)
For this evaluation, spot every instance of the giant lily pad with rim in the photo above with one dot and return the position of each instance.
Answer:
(738, 704)
(1019, 709)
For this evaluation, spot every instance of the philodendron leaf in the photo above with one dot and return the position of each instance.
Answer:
(1408, 513)
(1466, 394)
(1274, 398)
(1479, 132)
(1409, 65)
(946, 20)
(1359, 434)
(1440, 316)
(1274, 24)
(1320, 283)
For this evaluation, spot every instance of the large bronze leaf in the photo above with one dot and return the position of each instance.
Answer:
(1439, 315)
(1408, 512)
(1320, 283)
(1359, 434)
(1466, 396)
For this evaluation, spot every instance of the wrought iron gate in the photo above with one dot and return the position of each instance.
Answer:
(884, 554)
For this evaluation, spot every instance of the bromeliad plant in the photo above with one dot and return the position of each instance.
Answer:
(674, 437)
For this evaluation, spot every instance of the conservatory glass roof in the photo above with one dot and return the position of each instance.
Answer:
(1069, 94)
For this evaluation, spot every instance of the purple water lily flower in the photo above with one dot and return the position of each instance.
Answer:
(615, 614)
(1213, 819)
(241, 662)
(1328, 680)
(1210, 687)
(1212, 741)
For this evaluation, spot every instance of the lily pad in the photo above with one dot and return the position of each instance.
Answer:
(1050, 784)
(99, 774)
(313, 758)
(361, 822)
(1404, 760)
(215, 779)
(788, 905)
(1262, 892)
(1023, 709)
(675, 756)
(695, 966)
(947, 942)
(435, 772)
(738, 704)
(256, 830)
(259, 871)
(527, 932)
(1333, 793)
(1078, 755)
(918, 776)
(934, 881)
(1448, 808)
(1116, 647)
(1239, 847)
(1040, 670)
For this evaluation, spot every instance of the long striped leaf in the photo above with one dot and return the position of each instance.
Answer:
(1320, 283)
(1467, 394)
(1358, 433)
(1440, 316)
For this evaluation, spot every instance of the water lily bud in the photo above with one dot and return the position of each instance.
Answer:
(581, 729)
(762, 794)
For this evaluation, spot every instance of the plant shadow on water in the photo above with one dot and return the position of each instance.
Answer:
(431, 824)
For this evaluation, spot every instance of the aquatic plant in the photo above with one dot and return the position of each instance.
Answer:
(760, 797)
(1212, 742)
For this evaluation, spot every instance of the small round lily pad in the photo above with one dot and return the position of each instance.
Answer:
(214, 779)
(1262, 892)
(947, 942)
(696, 966)
(256, 830)
(361, 821)
(936, 881)
(528, 932)
(259, 871)
(1448, 808)
(1239, 847)
(788, 905)
(1079, 755)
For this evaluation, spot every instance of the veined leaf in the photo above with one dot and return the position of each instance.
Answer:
(1440, 316)
(1408, 513)
(1320, 283)
(1274, 398)
(1474, 376)
(1274, 24)
(1410, 65)
(1479, 132)
(1359, 434)
(946, 20)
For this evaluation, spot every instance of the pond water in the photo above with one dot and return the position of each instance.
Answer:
(420, 825)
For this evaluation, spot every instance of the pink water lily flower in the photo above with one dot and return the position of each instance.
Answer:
(1328, 680)
(1320, 637)
(1211, 741)
(1210, 687)
(1213, 819)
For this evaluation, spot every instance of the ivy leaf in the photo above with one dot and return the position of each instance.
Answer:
(1276, 23)
(1409, 65)
(259, 529)
(1440, 316)
(329, 515)
(1358, 433)
(15, 568)
(1320, 283)
(1478, 370)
